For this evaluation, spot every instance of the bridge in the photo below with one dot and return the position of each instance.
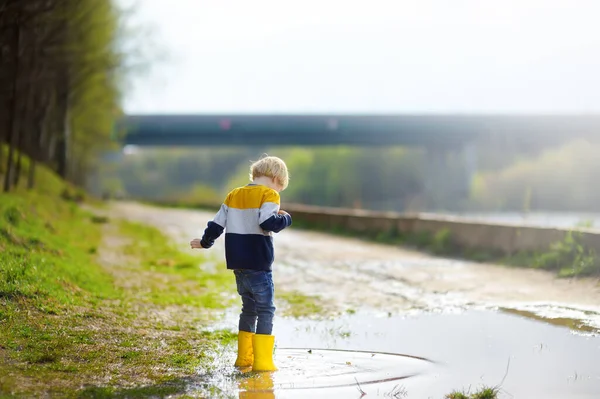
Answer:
(360, 130)
(443, 136)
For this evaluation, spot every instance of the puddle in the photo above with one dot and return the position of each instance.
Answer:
(330, 368)
(440, 352)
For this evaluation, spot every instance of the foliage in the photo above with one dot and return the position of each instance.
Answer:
(570, 257)
(561, 179)
(172, 173)
(376, 178)
(62, 73)
(198, 195)
(372, 178)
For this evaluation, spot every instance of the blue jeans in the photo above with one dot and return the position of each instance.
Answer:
(256, 289)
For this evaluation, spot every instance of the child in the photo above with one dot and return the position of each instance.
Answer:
(249, 215)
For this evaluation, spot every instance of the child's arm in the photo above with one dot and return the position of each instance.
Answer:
(271, 218)
(213, 230)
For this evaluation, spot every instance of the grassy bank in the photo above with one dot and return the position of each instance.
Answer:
(92, 307)
(568, 258)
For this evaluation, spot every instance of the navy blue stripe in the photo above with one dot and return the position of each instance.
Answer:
(249, 251)
(212, 232)
(276, 223)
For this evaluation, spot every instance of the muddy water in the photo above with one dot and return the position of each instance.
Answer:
(454, 324)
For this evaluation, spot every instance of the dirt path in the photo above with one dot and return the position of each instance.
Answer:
(353, 274)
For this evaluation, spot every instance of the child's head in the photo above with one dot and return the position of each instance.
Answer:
(273, 168)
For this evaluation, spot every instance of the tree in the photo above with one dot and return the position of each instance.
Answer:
(60, 74)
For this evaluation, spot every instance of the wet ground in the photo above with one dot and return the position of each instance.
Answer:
(410, 325)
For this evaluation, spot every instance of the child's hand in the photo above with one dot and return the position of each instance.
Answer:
(282, 212)
(195, 244)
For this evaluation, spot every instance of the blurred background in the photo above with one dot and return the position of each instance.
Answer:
(431, 57)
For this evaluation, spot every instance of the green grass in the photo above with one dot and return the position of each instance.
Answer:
(190, 283)
(301, 305)
(46, 249)
(46, 252)
(68, 322)
(224, 337)
(483, 393)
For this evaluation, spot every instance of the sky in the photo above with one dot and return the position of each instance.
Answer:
(375, 56)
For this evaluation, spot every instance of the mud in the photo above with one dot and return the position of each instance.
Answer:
(473, 323)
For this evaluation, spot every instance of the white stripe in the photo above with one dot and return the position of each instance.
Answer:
(267, 210)
(244, 221)
(221, 216)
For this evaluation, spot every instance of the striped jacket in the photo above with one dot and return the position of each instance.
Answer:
(249, 215)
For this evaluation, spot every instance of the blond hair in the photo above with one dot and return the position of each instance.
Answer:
(272, 167)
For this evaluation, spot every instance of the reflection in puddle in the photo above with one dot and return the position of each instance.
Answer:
(583, 320)
(257, 386)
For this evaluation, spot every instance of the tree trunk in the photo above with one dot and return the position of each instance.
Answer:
(17, 174)
(62, 150)
(9, 164)
(1, 154)
(31, 174)
(45, 142)
(27, 124)
(61, 157)
(13, 120)
(38, 139)
(2, 141)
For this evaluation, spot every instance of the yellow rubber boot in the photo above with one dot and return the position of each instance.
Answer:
(245, 357)
(263, 352)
